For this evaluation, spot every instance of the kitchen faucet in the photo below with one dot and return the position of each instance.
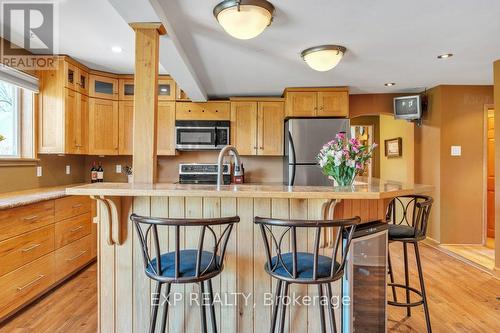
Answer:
(237, 162)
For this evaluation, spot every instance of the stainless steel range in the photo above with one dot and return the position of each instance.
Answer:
(203, 173)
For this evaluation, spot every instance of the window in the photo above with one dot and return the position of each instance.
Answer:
(10, 120)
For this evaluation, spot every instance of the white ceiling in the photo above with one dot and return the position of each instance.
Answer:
(387, 41)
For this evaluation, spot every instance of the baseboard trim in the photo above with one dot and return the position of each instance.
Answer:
(495, 272)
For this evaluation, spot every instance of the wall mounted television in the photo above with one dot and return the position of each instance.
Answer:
(408, 107)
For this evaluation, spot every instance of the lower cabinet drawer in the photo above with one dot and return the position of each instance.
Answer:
(16, 221)
(71, 206)
(26, 283)
(18, 251)
(74, 228)
(73, 256)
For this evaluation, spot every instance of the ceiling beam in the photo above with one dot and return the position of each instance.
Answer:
(172, 56)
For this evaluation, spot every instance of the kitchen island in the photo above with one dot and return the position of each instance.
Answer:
(125, 291)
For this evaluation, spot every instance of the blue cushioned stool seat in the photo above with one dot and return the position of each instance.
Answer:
(401, 231)
(305, 262)
(187, 267)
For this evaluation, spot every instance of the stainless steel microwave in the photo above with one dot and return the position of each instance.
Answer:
(201, 134)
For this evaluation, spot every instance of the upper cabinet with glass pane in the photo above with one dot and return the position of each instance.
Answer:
(166, 89)
(76, 78)
(103, 87)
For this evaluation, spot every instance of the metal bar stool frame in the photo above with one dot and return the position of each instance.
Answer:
(344, 228)
(420, 208)
(153, 265)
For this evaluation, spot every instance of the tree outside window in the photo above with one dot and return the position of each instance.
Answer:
(9, 120)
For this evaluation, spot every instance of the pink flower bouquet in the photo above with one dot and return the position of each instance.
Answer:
(342, 158)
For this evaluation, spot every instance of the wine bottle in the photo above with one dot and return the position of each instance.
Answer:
(100, 173)
(93, 173)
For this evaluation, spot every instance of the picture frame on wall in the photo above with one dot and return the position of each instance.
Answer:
(394, 147)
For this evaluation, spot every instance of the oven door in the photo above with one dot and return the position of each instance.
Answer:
(195, 138)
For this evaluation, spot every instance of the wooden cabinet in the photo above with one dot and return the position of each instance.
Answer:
(19, 220)
(76, 115)
(301, 104)
(71, 229)
(270, 128)
(26, 283)
(104, 87)
(40, 245)
(70, 75)
(165, 128)
(166, 89)
(126, 90)
(125, 127)
(63, 110)
(83, 82)
(216, 110)
(333, 104)
(20, 250)
(72, 257)
(244, 127)
(103, 127)
(317, 102)
(257, 127)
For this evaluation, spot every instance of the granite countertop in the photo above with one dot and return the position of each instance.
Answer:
(367, 189)
(26, 197)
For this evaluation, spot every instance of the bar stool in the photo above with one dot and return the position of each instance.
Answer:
(409, 216)
(183, 265)
(305, 267)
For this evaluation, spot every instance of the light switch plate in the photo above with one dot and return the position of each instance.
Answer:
(68, 169)
(456, 150)
(39, 171)
(118, 168)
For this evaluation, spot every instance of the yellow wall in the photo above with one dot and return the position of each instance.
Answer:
(397, 168)
(17, 178)
(427, 157)
(455, 117)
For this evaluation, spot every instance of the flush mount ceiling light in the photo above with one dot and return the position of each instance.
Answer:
(323, 58)
(116, 49)
(444, 56)
(389, 84)
(244, 19)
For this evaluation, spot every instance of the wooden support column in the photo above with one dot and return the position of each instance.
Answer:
(496, 98)
(147, 37)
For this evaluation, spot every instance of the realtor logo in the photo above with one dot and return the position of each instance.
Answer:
(28, 26)
(29, 35)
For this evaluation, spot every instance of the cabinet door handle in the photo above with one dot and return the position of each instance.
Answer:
(41, 276)
(77, 256)
(261, 148)
(77, 205)
(31, 218)
(76, 229)
(34, 246)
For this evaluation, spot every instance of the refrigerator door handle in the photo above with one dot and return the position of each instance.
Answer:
(292, 149)
(292, 159)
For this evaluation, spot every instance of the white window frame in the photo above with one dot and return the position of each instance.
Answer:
(17, 123)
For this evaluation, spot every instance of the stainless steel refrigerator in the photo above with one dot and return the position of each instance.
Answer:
(304, 138)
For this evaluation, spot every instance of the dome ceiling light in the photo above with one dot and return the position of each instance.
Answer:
(244, 19)
(323, 58)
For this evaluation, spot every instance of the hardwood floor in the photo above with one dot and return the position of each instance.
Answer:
(461, 299)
